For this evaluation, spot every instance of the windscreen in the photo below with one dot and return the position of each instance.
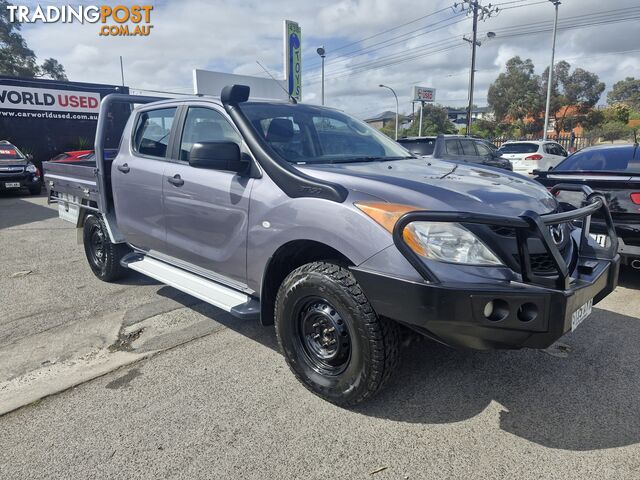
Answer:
(519, 148)
(309, 134)
(9, 152)
(614, 159)
(419, 147)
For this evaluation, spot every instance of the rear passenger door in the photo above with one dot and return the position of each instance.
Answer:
(206, 210)
(137, 179)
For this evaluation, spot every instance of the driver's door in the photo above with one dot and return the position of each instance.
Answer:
(206, 210)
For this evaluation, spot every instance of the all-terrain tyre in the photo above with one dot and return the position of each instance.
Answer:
(103, 255)
(36, 189)
(330, 336)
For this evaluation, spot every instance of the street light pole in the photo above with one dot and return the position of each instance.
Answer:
(322, 54)
(397, 106)
(474, 44)
(550, 78)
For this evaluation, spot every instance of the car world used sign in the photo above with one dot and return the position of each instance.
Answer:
(49, 100)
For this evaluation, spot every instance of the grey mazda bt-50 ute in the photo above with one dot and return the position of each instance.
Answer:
(305, 217)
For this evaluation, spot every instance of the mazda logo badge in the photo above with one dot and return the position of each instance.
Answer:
(557, 234)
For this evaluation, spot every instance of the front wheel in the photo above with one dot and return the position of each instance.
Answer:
(35, 189)
(103, 255)
(331, 338)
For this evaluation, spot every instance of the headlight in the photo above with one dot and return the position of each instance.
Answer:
(443, 242)
(449, 242)
(31, 168)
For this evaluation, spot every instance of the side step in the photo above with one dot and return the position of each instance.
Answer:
(236, 303)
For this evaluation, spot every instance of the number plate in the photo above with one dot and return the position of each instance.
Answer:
(600, 239)
(12, 185)
(580, 314)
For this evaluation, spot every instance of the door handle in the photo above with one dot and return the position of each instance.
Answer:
(124, 168)
(176, 180)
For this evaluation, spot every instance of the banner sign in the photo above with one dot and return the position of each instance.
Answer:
(293, 58)
(48, 100)
(423, 94)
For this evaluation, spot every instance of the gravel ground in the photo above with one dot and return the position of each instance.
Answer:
(225, 405)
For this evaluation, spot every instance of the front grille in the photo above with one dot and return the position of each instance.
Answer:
(504, 231)
(12, 170)
(541, 263)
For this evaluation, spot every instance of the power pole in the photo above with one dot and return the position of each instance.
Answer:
(479, 12)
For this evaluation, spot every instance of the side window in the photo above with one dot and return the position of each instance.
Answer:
(468, 148)
(483, 150)
(453, 147)
(205, 125)
(560, 150)
(152, 132)
(548, 148)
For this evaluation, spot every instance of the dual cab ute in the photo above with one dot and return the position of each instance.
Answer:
(305, 217)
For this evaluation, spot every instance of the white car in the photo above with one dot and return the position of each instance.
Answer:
(527, 156)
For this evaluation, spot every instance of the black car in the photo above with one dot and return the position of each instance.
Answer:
(17, 171)
(614, 171)
(457, 148)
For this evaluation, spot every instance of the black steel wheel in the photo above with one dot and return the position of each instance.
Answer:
(330, 336)
(103, 255)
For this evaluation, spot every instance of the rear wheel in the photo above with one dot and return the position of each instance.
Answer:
(332, 339)
(103, 255)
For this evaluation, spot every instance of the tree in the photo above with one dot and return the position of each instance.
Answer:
(519, 95)
(613, 130)
(515, 93)
(53, 69)
(579, 90)
(434, 121)
(626, 91)
(16, 58)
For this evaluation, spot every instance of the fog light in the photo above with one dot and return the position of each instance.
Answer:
(496, 310)
(527, 312)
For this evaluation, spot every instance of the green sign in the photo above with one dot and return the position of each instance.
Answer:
(293, 58)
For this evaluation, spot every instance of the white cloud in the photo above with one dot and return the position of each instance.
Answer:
(231, 35)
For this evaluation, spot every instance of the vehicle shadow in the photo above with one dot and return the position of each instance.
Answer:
(265, 336)
(629, 277)
(582, 396)
(18, 211)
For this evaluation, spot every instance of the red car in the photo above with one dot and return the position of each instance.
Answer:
(68, 157)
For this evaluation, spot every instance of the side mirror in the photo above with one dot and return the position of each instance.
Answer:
(217, 156)
(29, 157)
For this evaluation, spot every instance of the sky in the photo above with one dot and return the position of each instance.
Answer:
(400, 43)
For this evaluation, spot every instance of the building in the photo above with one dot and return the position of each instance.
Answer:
(459, 116)
(385, 119)
(47, 117)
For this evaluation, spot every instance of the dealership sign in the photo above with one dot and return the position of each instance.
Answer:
(424, 94)
(44, 99)
(293, 58)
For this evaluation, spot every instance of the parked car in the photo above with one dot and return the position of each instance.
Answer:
(614, 171)
(304, 216)
(83, 156)
(72, 156)
(528, 156)
(17, 170)
(419, 145)
(459, 148)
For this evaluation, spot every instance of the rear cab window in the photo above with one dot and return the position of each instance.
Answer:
(620, 159)
(522, 147)
(419, 147)
(152, 132)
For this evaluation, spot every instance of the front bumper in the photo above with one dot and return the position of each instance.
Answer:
(533, 311)
(455, 314)
(27, 180)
